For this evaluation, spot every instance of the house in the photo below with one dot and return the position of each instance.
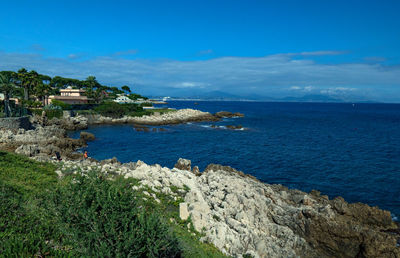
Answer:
(11, 99)
(71, 96)
(123, 99)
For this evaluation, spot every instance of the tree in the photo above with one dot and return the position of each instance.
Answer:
(42, 91)
(91, 82)
(29, 80)
(23, 78)
(98, 95)
(7, 86)
(126, 88)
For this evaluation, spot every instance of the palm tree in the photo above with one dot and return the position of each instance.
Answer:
(42, 91)
(23, 78)
(7, 86)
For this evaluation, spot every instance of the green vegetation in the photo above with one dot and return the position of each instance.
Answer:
(87, 216)
(33, 89)
(134, 96)
(61, 104)
(115, 110)
(51, 111)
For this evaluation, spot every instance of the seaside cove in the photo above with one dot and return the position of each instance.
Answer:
(226, 211)
(339, 149)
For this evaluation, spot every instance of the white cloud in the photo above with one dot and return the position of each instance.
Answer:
(308, 88)
(270, 75)
(322, 53)
(187, 85)
(338, 91)
(302, 89)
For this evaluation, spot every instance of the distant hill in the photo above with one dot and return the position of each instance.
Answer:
(221, 95)
(312, 98)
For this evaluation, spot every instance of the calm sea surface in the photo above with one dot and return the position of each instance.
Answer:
(338, 149)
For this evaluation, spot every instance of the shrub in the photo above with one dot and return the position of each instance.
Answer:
(146, 104)
(61, 104)
(115, 110)
(25, 226)
(31, 103)
(101, 218)
(50, 113)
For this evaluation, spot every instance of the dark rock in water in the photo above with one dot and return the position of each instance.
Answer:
(141, 128)
(162, 129)
(183, 164)
(154, 129)
(234, 127)
(226, 114)
(87, 136)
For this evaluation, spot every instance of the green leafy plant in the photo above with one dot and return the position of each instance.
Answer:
(61, 104)
(115, 110)
(100, 218)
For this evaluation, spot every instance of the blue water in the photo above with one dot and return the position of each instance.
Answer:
(338, 149)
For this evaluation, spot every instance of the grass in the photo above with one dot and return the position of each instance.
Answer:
(88, 215)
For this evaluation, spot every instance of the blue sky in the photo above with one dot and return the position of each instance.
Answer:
(347, 49)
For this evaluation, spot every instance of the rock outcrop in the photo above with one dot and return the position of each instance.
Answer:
(87, 137)
(42, 141)
(226, 114)
(70, 123)
(241, 215)
(183, 164)
(234, 127)
(175, 117)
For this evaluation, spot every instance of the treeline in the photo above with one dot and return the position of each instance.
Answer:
(33, 88)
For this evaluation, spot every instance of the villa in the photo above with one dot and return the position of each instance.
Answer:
(71, 96)
(123, 99)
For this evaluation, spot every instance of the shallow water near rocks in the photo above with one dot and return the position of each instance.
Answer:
(339, 149)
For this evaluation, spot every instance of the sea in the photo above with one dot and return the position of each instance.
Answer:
(340, 149)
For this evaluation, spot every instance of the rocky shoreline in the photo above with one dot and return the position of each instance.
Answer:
(169, 118)
(241, 215)
(236, 212)
(50, 136)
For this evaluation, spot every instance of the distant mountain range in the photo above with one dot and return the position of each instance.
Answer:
(220, 95)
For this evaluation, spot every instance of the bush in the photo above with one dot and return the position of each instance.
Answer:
(61, 104)
(103, 218)
(25, 225)
(115, 110)
(140, 113)
(50, 113)
(85, 112)
(87, 216)
(146, 104)
(31, 103)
